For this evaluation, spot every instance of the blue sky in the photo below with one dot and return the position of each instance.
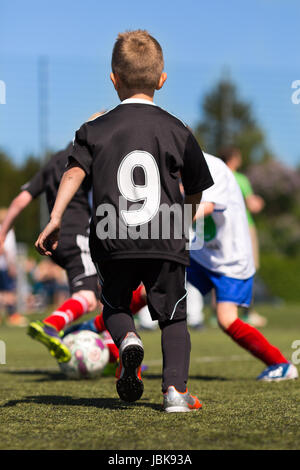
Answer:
(256, 40)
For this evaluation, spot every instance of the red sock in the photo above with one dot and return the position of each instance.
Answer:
(99, 323)
(138, 300)
(113, 350)
(252, 340)
(69, 311)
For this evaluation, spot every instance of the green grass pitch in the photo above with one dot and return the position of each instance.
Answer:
(39, 409)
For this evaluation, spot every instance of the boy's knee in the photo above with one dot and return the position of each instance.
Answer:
(226, 314)
(223, 323)
(90, 297)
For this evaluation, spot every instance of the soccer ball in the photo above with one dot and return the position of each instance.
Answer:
(89, 355)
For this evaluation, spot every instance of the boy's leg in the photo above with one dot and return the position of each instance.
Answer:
(72, 254)
(139, 299)
(47, 331)
(230, 293)
(166, 294)
(97, 325)
(176, 348)
(73, 308)
(119, 279)
(118, 321)
(247, 336)
(85, 293)
(118, 283)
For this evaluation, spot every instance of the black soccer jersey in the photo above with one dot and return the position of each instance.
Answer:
(136, 155)
(47, 179)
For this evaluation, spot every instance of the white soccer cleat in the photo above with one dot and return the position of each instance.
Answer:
(177, 402)
(278, 372)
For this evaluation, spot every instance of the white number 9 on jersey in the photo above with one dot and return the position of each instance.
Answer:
(149, 192)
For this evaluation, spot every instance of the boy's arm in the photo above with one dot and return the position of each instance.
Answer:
(80, 161)
(205, 209)
(29, 191)
(255, 203)
(195, 174)
(194, 201)
(16, 207)
(69, 185)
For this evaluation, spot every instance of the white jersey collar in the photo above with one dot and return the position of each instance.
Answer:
(137, 100)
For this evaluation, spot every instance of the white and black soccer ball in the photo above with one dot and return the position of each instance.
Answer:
(89, 355)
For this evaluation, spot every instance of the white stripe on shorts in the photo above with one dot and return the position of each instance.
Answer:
(83, 243)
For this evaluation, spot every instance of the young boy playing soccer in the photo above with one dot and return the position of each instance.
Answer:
(137, 153)
(73, 253)
(226, 263)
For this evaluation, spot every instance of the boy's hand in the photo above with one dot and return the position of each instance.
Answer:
(48, 239)
(255, 203)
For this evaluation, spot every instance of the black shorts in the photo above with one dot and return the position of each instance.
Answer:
(73, 255)
(7, 283)
(164, 282)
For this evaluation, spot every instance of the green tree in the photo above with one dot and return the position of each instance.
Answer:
(12, 177)
(228, 120)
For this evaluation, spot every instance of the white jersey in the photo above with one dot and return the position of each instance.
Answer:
(227, 245)
(10, 251)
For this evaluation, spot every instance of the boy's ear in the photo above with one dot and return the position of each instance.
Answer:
(161, 81)
(115, 79)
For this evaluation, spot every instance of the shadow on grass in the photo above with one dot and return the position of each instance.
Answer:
(104, 403)
(49, 376)
(206, 378)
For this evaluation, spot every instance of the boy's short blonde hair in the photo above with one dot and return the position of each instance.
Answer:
(138, 60)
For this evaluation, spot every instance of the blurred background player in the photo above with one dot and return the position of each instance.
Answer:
(194, 310)
(225, 263)
(137, 134)
(8, 278)
(194, 307)
(254, 204)
(73, 253)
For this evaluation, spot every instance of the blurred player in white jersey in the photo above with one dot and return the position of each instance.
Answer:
(226, 263)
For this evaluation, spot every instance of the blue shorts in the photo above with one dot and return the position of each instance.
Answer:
(7, 283)
(228, 289)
